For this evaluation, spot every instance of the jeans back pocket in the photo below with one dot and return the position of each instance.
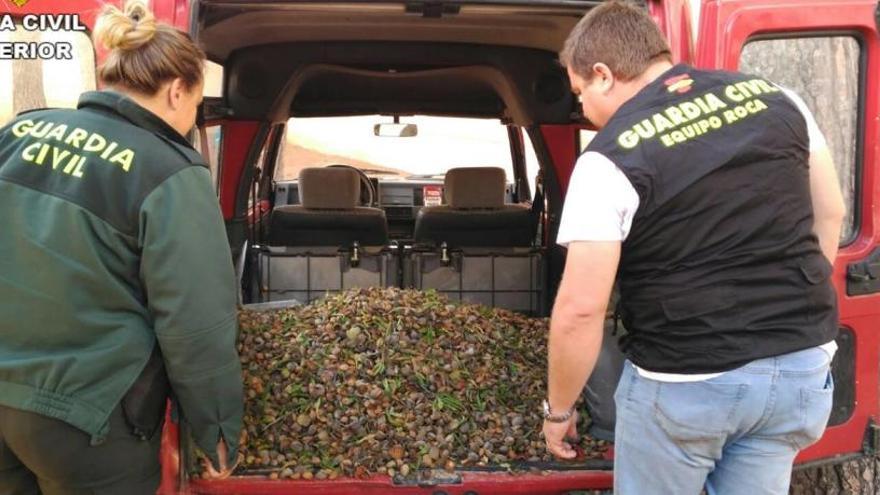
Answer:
(815, 405)
(699, 412)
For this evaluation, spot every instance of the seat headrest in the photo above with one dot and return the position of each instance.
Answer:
(329, 188)
(477, 187)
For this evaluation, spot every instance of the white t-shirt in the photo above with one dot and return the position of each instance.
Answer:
(600, 204)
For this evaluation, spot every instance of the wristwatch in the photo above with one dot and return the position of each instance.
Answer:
(556, 418)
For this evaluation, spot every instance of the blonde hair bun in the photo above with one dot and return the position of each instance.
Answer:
(143, 52)
(128, 30)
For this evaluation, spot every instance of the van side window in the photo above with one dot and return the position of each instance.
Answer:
(825, 72)
(213, 79)
(533, 165)
(36, 83)
(213, 87)
(212, 153)
(584, 138)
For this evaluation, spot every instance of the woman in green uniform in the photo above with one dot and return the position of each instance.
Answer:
(114, 261)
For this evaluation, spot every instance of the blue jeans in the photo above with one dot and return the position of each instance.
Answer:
(734, 434)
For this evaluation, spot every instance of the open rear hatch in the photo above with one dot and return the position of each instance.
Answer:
(494, 59)
(477, 59)
(224, 26)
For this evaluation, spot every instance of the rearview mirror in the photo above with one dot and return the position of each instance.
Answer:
(395, 129)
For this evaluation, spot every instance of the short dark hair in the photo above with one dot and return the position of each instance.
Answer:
(618, 34)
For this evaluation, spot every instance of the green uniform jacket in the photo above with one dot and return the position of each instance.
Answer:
(111, 240)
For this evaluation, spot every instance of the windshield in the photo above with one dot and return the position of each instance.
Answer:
(441, 143)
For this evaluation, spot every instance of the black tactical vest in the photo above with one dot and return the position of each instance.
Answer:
(721, 266)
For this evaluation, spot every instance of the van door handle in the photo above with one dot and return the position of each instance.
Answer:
(863, 277)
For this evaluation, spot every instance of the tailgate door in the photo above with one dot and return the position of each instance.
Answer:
(828, 52)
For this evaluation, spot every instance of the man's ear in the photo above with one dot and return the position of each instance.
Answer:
(604, 77)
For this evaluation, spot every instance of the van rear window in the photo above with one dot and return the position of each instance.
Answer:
(825, 72)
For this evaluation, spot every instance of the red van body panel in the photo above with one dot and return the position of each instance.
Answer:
(472, 483)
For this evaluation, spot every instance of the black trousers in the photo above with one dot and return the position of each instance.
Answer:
(44, 455)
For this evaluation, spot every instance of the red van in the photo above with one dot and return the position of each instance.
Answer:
(302, 84)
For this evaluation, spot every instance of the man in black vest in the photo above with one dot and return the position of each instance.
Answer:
(713, 198)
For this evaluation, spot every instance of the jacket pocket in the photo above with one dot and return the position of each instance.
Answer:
(143, 406)
(816, 269)
(818, 290)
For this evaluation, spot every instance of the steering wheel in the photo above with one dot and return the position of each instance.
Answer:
(366, 184)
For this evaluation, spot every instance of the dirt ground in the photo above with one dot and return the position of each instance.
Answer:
(859, 477)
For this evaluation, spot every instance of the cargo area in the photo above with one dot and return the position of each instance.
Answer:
(402, 383)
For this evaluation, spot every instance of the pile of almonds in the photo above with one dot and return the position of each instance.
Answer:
(390, 381)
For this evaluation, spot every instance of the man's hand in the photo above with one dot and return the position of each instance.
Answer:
(209, 473)
(557, 436)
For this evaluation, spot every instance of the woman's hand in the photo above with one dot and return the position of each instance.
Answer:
(209, 473)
